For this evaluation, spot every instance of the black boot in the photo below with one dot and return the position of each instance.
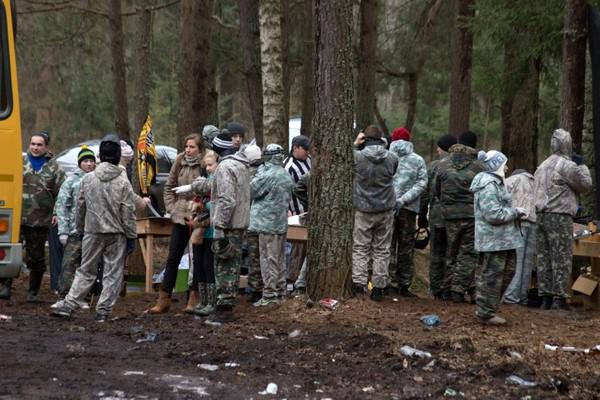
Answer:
(377, 294)
(358, 290)
(404, 292)
(35, 281)
(446, 295)
(546, 303)
(255, 296)
(456, 297)
(5, 289)
(222, 314)
(560, 303)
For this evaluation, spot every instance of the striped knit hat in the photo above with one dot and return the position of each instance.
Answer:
(84, 154)
(222, 142)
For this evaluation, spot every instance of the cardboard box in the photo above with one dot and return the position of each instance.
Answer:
(588, 285)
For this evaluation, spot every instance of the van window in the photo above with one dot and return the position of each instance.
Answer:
(5, 85)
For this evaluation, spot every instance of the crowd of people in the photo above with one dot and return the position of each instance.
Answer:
(488, 232)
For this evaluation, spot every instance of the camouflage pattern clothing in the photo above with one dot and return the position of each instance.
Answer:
(40, 190)
(227, 271)
(70, 262)
(429, 202)
(35, 254)
(461, 257)
(517, 291)
(410, 179)
(66, 202)
(371, 241)
(255, 281)
(554, 253)
(521, 186)
(401, 268)
(272, 264)
(375, 168)
(496, 272)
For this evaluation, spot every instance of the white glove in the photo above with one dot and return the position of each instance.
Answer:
(183, 189)
(520, 211)
(63, 239)
(218, 234)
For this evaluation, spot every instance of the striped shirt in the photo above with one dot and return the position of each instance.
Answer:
(296, 168)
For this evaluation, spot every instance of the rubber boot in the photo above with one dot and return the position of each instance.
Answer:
(163, 303)
(546, 302)
(211, 299)
(193, 301)
(35, 281)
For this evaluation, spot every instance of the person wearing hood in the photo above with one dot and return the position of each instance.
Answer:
(374, 200)
(521, 185)
(209, 133)
(271, 191)
(105, 217)
(437, 239)
(64, 209)
(558, 181)
(410, 181)
(451, 189)
(230, 217)
(496, 235)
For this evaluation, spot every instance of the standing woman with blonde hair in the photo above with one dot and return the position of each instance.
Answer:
(187, 167)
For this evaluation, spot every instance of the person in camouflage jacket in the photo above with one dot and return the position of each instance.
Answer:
(496, 235)
(410, 181)
(451, 188)
(271, 191)
(42, 178)
(558, 181)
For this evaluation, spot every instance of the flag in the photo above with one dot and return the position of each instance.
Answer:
(146, 155)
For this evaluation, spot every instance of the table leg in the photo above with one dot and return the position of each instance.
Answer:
(149, 262)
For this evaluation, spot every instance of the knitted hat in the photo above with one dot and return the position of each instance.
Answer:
(401, 134)
(126, 150)
(110, 149)
(235, 128)
(85, 154)
(494, 161)
(301, 141)
(446, 141)
(222, 142)
(468, 138)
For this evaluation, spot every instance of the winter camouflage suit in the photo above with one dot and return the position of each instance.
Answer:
(374, 200)
(558, 180)
(453, 181)
(40, 190)
(271, 192)
(105, 216)
(410, 181)
(64, 209)
(496, 237)
(521, 185)
(230, 216)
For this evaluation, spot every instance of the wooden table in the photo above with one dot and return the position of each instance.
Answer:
(297, 233)
(147, 229)
(589, 247)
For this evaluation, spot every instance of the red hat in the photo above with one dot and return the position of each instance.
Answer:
(401, 134)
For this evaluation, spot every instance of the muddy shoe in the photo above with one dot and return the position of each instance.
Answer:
(546, 303)
(560, 304)
(204, 311)
(63, 311)
(222, 315)
(60, 303)
(456, 297)
(255, 296)
(377, 294)
(33, 298)
(101, 317)
(495, 320)
(404, 292)
(266, 301)
(358, 290)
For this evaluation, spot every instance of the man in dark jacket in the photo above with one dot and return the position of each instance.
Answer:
(374, 199)
(451, 188)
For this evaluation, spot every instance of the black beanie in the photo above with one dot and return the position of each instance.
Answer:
(235, 128)
(468, 138)
(222, 143)
(446, 141)
(110, 149)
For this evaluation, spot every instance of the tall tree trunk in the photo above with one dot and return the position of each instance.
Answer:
(118, 68)
(365, 99)
(196, 21)
(462, 49)
(213, 94)
(250, 39)
(308, 68)
(272, 72)
(285, 62)
(572, 99)
(411, 100)
(143, 50)
(331, 215)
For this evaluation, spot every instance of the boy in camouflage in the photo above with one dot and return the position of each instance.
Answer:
(271, 192)
(64, 209)
(558, 180)
(106, 217)
(496, 235)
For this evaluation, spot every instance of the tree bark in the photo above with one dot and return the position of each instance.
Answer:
(118, 68)
(272, 72)
(196, 21)
(250, 39)
(462, 49)
(572, 104)
(308, 68)
(365, 101)
(331, 215)
(285, 62)
(143, 51)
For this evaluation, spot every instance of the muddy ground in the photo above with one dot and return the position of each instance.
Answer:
(352, 352)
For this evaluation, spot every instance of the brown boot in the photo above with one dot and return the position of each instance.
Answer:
(163, 303)
(193, 300)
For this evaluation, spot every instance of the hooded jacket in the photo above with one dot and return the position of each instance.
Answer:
(40, 190)
(410, 180)
(230, 192)
(521, 185)
(453, 182)
(105, 203)
(182, 173)
(558, 180)
(271, 191)
(374, 179)
(495, 219)
(66, 203)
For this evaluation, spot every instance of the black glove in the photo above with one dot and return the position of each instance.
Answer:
(423, 222)
(397, 207)
(577, 159)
